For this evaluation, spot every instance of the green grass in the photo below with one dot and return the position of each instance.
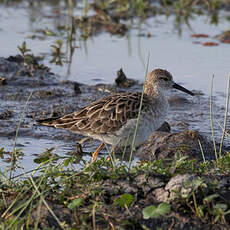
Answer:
(84, 191)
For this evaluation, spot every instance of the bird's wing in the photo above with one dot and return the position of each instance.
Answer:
(103, 116)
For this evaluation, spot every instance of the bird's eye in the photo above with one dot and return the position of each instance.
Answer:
(165, 78)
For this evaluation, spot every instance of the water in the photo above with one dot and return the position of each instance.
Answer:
(101, 56)
(31, 149)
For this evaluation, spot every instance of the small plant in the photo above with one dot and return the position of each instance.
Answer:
(23, 49)
(155, 212)
(124, 200)
(213, 4)
(29, 59)
(46, 156)
(57, 54)
(75, 203)
(25, 52)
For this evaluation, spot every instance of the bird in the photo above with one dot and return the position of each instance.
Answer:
(112, 119)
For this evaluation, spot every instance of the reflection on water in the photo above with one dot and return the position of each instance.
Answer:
(167, 39)
(30, 149)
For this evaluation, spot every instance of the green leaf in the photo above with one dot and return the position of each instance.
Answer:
(163, 208)
(124, 200)
(211, 198)
(59, 42)
(66, 162)
(200, 210)
(155, 212)
(75, 203)
(197, 182)
(49, 33)
(41, 160)
(227, 212)
(221, 206)
(149, 211)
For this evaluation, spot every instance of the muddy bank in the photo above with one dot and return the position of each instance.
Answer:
(101, 198)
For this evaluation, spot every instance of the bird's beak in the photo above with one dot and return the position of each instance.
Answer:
(181, 88)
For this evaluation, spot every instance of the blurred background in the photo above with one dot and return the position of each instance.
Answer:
(88, 41)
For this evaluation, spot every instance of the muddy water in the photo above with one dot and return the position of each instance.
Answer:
(96, 61)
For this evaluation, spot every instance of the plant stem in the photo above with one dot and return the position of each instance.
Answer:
(211, 118)
(225, 116)
(138, 118)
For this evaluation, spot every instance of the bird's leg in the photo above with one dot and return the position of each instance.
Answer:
(111, 155)
(95, 154)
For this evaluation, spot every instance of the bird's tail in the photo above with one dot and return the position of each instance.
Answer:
(49, 121)
(62, 123)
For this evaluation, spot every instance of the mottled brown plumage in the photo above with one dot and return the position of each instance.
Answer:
(106, 115)
(113, 119)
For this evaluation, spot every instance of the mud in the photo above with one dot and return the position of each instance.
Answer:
(162, 145)
(146, 189)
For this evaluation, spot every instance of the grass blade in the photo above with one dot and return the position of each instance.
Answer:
(138, 118)
(211, 118)
(225, 116)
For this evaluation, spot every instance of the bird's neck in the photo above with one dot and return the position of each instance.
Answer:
(154, 91)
